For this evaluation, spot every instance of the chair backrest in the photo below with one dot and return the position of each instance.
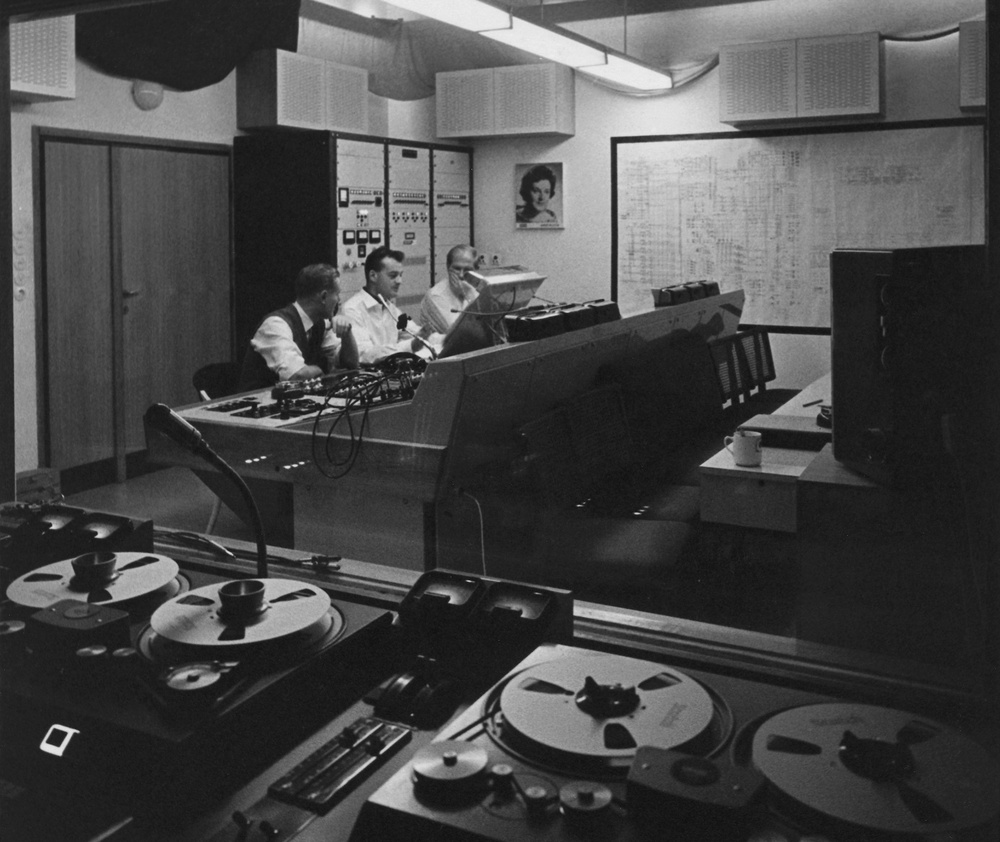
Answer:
(755, 345)
(743, 364)
(731, 368)
(216, 380)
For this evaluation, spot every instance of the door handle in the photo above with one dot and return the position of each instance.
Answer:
(130, 293)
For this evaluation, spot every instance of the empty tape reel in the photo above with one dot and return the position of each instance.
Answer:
(449, 769)
(877, 768)
(600, 709)
(197, 618)
(103, 578)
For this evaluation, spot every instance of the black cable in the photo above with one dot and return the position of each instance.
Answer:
(202, 541)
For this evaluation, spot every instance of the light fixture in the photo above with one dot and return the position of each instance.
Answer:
(632, 74)
(548, 42)
(472, 15)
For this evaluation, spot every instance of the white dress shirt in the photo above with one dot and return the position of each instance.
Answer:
(273, 341)
(441, 305)
(374, 328)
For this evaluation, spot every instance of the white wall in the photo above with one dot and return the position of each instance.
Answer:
(103, 104)
(921, 83)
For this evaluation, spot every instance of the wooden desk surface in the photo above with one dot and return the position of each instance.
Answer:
(804, 403)
(778, 464)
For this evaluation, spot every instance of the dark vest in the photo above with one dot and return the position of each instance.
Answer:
(256, 375)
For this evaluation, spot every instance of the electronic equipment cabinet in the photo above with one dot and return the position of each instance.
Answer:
(303, 197)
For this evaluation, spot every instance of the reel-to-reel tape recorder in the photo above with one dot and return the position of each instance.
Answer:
(577, 744)
(207, 707)
(136, 685)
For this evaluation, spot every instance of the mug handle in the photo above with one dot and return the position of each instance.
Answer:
(728, 440)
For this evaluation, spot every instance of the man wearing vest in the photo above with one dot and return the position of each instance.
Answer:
(305, 339)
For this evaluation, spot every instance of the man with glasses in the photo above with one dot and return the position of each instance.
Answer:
(448, 297)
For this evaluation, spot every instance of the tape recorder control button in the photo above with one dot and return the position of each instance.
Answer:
(695, 771)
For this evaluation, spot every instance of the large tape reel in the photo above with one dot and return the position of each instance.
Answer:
(601, 708)
(196, 618)
(877, 768)
(132, 576)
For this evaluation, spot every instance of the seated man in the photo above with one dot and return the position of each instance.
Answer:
(448, 297)
(305, 339)
(377, 321)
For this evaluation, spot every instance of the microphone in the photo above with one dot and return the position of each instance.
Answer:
(161, 417)
(401, 325)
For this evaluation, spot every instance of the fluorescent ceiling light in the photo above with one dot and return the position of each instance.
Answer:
(470, 14)
(623, 71)
(547, 43)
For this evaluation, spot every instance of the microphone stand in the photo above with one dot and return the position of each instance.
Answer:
(401, 325)
(163, 418)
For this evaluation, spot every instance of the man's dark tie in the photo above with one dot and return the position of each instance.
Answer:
(315, 339)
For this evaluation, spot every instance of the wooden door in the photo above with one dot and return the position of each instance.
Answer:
(172, 217)
(136, 289)
(77, 389)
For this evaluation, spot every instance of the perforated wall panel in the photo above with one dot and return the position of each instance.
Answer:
(300, 91)
(534, 98)
(43, 59)
(464, 102)
(757, 81)
(839, 75)
(346, 91)
(972, 64)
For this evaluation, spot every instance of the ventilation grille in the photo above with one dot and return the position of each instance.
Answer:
(43, 59)
(839, 75)
(757, 81)
(972, 64)
(346, 98)
(300, 91)
(279, 88)
(833, 76)
(465, 103)
(525, 99)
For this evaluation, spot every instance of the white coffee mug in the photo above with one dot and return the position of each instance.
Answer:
(745, 447)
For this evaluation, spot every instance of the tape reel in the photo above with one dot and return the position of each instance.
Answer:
(196, 618)
(877, 768)
(602, 708)
(134, 575)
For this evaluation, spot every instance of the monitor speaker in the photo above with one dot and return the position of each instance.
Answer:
(913, 356)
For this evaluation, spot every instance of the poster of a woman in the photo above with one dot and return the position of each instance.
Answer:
(539, 196)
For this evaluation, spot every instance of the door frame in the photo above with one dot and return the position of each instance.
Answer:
(118, 471)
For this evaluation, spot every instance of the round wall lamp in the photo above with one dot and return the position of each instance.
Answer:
(147, 95)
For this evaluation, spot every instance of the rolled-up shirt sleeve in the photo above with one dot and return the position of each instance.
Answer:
(331, 346)
(273, 341)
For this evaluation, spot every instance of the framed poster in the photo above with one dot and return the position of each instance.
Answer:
(538, 196)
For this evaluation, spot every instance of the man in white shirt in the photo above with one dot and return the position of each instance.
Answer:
(305, 339)
(448, 297)
(375, 317)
